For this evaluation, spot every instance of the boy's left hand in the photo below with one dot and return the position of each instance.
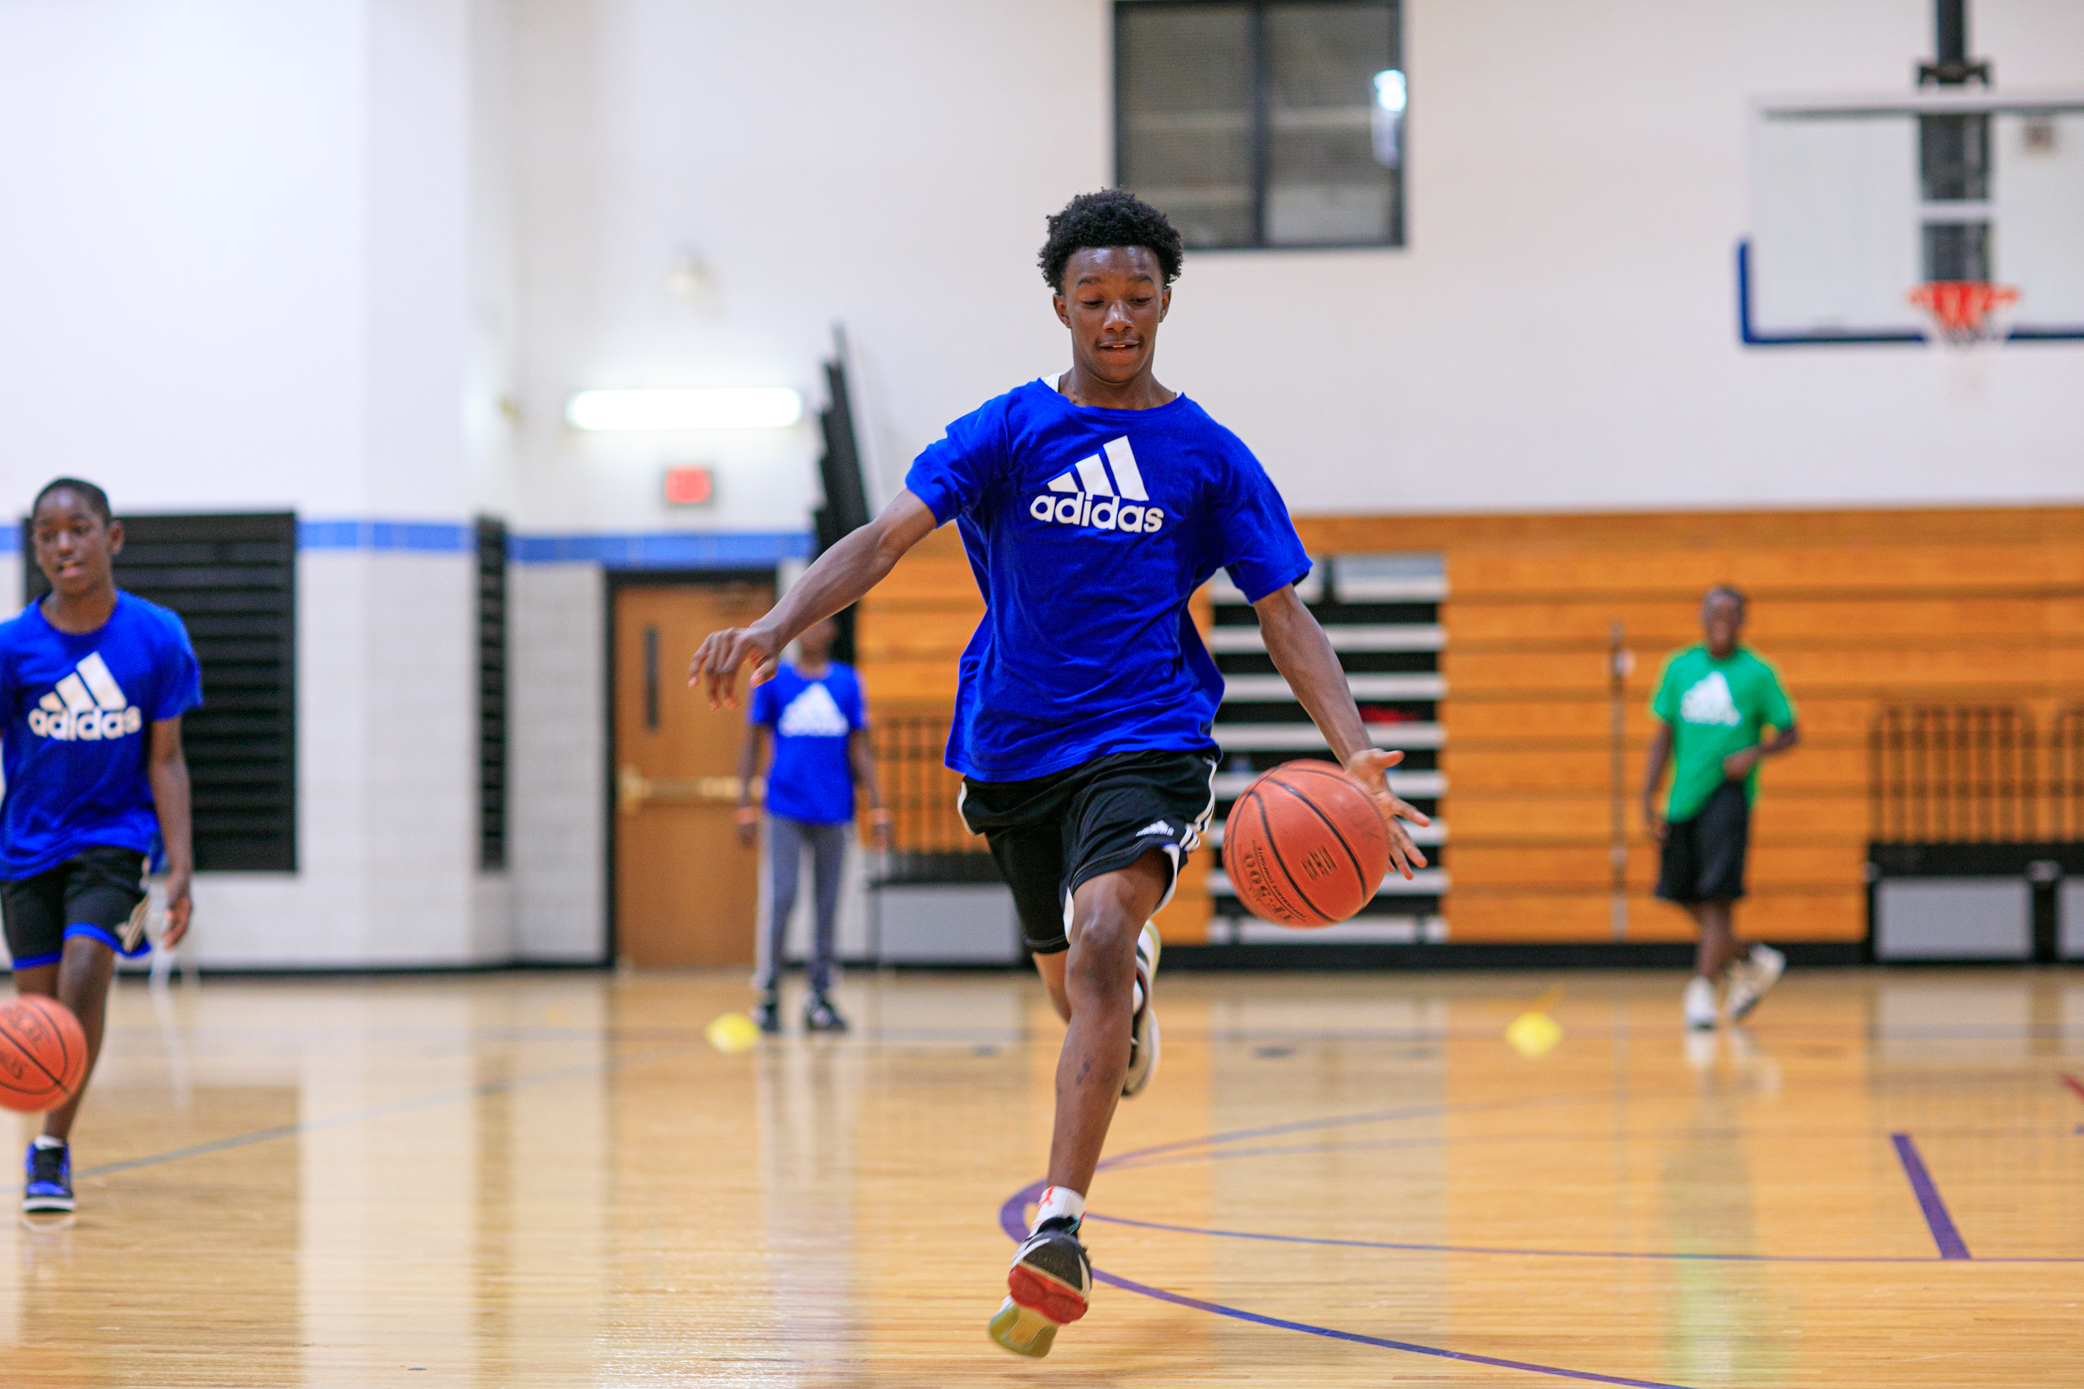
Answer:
(1368, 768)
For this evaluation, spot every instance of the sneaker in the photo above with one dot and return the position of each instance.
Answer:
(46, 1180)
(1700, 1003)
(767, 1016)
(1143, 1027)
(820, 1016)
(1752, 978)
(1050, 1283)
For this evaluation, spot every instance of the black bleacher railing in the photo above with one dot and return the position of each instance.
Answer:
(929, 842)
(1968, 794)
(2064, 786)
(1953, 774)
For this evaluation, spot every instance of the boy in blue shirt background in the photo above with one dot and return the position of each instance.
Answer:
(815, 714)
(93, 684)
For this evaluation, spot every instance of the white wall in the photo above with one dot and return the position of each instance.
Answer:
(251, 260)
(1560, 332)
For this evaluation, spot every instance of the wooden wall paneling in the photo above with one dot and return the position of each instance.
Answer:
(1855, 608)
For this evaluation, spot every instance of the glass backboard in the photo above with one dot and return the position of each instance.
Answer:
(1855, 202)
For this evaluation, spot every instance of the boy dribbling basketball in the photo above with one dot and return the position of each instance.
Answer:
(93, 684)
(1092, 507)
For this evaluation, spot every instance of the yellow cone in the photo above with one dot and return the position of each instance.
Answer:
(733, 1032)
(1533, 1034)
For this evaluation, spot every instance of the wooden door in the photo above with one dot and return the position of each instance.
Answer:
(686, 891)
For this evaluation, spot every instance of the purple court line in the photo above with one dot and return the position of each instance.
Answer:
(1936, 1218)
(1012, 1219)
(1331, 1333)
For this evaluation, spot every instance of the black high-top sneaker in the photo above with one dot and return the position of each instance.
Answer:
(1050, 1283)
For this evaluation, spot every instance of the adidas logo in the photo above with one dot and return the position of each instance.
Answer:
(1710, 701)
(1117, 503)
(813, 714)
(86, 706)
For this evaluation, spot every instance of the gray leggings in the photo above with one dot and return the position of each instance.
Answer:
(786, 841)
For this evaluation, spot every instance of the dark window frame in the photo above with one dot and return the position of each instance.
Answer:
(192, 564)
(1399, 231)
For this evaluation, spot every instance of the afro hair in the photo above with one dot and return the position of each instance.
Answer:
(1110, 217)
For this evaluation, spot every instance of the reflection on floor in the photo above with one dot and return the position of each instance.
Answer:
(552, 1179)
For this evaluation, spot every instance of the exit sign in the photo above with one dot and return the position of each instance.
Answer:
(689, 486)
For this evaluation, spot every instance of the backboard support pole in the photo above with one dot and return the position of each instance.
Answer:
(1951, 66)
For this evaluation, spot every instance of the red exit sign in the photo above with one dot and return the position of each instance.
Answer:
(689, 486)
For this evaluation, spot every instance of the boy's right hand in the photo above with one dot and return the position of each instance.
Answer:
(1653, 819)
(715, 665)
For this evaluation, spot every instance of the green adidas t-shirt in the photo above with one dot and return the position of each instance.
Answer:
(1715, 708)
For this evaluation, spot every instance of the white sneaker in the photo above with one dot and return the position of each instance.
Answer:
(1700, 1003)
(1751, 979)
(1143, 1027)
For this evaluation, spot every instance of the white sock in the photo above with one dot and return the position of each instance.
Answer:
(1058, 1201)
(44, 1140)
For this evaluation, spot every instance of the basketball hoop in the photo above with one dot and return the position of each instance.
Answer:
(1965, 313)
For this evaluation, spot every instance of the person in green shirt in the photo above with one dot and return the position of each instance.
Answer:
(1713, 706)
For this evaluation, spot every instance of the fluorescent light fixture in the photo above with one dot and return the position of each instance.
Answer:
(1389, 90)
(704, 407)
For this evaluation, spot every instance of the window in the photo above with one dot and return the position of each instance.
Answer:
(233, 580)
(492, 693)
(1269, 123)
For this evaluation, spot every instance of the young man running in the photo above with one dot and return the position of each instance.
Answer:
(1712, 706)
(93, 684)
(1092, 506)
(817, 716)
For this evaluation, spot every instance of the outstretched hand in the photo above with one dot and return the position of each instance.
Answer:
(1368, 768)
(715, 666)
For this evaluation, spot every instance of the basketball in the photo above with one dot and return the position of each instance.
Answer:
(1304, 846)
(43, 1054)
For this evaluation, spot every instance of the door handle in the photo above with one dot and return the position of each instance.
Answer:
(634, 790)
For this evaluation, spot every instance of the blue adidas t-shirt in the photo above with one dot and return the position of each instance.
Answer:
(79, 710)
(812, 778)
(1088, 531)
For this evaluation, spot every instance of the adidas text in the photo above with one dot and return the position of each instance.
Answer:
(85, 725)
(1101, 513)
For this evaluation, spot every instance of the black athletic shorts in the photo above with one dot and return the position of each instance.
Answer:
(1704, 856)
(98, 893)
(1052, 833)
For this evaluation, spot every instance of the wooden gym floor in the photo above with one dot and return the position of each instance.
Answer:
(551, 1179)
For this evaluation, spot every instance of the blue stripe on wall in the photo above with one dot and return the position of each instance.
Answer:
(438, 537)
(633, 550)
(663, 549)
(629, 550)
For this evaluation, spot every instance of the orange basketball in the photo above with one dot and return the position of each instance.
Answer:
(43, 1054)
(1304, 846)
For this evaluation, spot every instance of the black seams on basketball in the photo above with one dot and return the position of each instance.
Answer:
(1305, 846)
